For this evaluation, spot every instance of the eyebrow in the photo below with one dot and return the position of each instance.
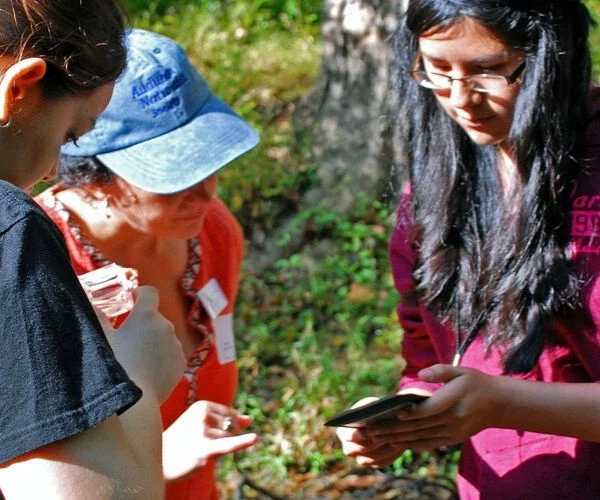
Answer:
(493, 58)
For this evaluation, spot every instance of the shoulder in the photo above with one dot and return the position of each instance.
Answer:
(16, 206)
(26, 231)
(404, 213)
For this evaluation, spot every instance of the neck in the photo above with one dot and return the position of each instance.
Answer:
(15, 165)
(112, 235)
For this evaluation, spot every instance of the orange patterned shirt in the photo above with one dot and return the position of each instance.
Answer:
(217, 253)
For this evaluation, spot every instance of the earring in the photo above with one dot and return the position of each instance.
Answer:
(106, 207)
(5, 124)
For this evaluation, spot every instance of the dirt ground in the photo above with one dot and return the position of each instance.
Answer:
(355, 485)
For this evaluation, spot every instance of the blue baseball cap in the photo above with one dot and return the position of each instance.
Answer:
(163, 130)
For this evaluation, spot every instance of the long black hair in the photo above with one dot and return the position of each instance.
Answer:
(480, 255)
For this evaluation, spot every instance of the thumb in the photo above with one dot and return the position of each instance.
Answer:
(225, 445)
(441, 373)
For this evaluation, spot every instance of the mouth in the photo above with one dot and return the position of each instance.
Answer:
(474, 122)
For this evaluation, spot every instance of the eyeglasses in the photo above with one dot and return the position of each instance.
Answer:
(484, 82)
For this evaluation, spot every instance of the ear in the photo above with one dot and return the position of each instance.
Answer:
(16, 81)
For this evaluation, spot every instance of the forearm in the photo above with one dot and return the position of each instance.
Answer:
(550, 407)
(142, 427)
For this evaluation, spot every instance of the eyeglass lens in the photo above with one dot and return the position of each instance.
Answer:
(476, 82)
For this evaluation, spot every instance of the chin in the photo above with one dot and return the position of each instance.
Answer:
(485, 139)
(186, 231)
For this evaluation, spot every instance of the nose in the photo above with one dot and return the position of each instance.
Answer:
(461, 95)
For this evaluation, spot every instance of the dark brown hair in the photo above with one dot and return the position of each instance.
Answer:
(80, 40)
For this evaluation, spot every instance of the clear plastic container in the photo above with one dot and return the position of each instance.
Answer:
(110, 288)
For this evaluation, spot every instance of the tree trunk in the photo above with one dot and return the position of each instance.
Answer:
(349, 116)
(351, 107)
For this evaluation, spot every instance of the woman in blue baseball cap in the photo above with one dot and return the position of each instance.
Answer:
(140, 190)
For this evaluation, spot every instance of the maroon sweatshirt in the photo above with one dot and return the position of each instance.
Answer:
(503, 463)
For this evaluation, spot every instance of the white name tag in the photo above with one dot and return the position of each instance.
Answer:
(224, 338)
(212, 297)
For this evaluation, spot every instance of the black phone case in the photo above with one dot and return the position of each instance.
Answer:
(379, 410)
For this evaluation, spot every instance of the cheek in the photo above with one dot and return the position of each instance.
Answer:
(160, 213)
(211, 184)
(146, 216)
(444, 103)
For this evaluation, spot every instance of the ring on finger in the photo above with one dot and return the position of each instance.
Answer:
(227, 424)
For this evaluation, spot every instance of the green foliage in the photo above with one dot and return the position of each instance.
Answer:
(316, 333)
(258, 15)
(594, 6)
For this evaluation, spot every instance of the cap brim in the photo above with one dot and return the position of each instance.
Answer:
(185, 156)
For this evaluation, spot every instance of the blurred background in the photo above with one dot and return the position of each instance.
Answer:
(315, 327)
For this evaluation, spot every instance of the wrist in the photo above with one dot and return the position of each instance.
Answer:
(177, 461)
(503, 402)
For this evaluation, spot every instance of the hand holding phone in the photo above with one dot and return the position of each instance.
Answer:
(377, 411)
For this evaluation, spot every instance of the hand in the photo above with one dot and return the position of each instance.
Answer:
(357, 443)
(469, 402)
(198, 434)
(146, 345)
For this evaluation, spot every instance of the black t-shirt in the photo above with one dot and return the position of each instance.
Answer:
(58, 375)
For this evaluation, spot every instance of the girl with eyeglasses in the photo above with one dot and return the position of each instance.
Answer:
(496, 250)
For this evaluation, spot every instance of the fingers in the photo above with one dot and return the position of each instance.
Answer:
(146, 299)
(352, 434)
(356, 442)
(364, 401)
(427, 444)
(244, 421)
(219, 420)
(408, 436)
(417, 391)
(441, 373)
(222, 446)
(391, 427)
(382, 457)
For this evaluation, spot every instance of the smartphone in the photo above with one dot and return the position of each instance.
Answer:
(377, 411)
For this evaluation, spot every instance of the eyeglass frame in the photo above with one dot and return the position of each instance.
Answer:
(510, 79)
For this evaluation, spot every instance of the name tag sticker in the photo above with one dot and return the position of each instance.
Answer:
(224, 338)
(212, 297)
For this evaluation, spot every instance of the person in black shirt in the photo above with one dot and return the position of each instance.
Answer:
(73, 422)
